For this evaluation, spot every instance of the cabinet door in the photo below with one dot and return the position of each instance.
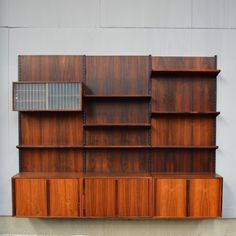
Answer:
(31, 197)
(99, 197)
(134, 197)
(64, 197)
(205, 197)
(170, 198)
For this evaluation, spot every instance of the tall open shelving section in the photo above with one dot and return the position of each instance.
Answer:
(141, 144)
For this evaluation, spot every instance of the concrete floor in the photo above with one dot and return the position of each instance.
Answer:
(14, 226)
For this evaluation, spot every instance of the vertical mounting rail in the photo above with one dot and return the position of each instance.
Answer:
(150, 114)
(84, 114)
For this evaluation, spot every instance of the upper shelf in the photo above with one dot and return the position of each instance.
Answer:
(209, 73)
(193, 113)
(120, 125)
(117, 146)
(117, 97)
(114, 147)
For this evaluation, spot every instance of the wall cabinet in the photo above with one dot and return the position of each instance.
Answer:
(43, 96)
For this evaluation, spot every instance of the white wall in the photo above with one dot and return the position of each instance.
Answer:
(132, 27)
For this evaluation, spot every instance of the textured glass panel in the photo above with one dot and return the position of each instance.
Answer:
(47, 96)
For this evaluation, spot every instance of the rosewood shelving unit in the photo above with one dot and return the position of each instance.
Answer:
(138, 142)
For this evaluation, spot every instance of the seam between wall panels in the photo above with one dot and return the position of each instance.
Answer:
(122, 27)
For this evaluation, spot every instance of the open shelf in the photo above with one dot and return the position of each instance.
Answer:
(183, 147)
(211, 73)
(49, 146)
(193, 113)
(117, 146)
(117, 97)
(112, 147)
(126, 125)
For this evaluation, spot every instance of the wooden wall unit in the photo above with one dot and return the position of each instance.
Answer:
(143, 145)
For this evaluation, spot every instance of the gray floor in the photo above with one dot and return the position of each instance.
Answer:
(13, 226)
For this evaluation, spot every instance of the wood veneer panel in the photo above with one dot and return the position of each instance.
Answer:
(51, 68)
(191, 63)
(51, 128)
(183, 161)
(64, 197)
(134, 197)
(183, 94)
(50, 160)
(116, 112)
(205, 197)
(31, 197)
(171, 131)
(170, 198)
(171, 94)
(117, 161)
(100, 197)
(183, 131)
(204, 94)
(117, 75)
(114, 136)
(203, 131)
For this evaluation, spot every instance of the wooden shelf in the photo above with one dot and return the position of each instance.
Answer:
(117, 97)
(112, 147)
(193, 113)
(184, 147)
(126, 125)
(49, 146)
(210, 73)
(116, 146)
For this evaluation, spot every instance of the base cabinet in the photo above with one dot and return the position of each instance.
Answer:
(124, 197)
(195, 198)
